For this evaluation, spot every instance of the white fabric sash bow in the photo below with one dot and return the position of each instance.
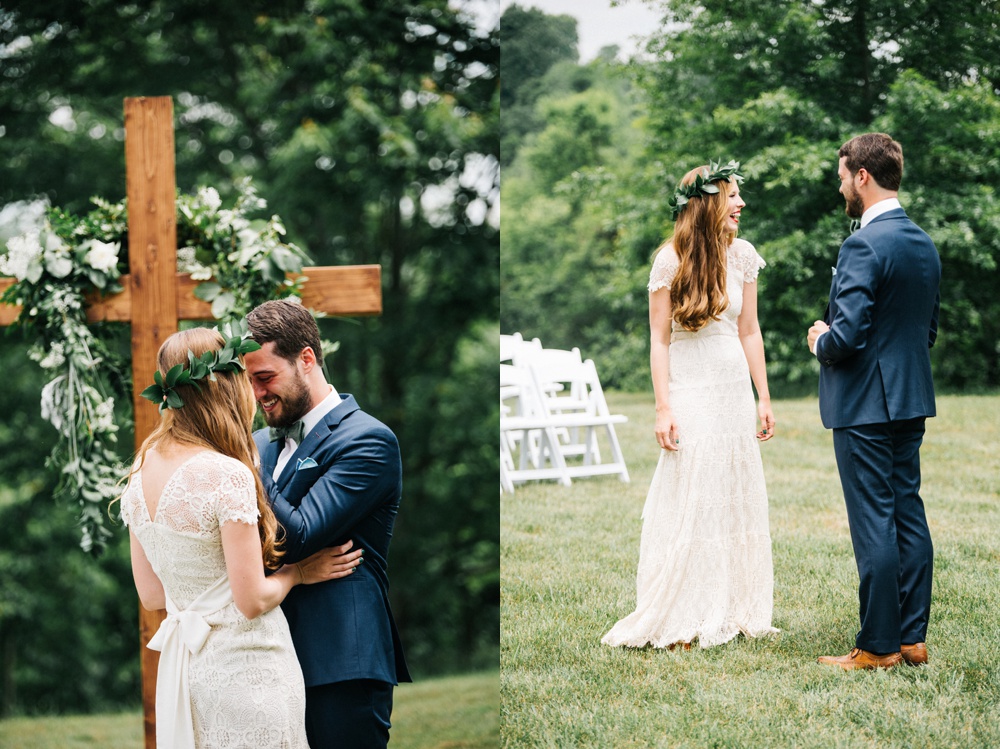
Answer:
(182, 634)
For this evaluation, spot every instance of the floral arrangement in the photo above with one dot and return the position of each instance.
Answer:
(60, 260)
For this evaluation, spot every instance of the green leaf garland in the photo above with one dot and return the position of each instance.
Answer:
(64, 259)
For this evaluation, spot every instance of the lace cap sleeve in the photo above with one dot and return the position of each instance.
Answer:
(237, 496)
(128, 503)
(750, 262)
(665, 265)
(125, 506)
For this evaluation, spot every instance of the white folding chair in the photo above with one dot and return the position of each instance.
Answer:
(563, 396)
(522, 414)
(513, 348)
(506, 466)
(508, 345)
(586, 415)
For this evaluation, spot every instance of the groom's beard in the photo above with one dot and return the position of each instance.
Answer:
(294, 404)
(855, 206)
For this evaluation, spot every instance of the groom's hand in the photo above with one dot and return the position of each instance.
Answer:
(818, 328)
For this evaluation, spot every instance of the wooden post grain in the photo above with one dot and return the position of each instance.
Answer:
(152, 229)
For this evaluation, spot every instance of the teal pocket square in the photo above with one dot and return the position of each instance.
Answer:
(306, 463)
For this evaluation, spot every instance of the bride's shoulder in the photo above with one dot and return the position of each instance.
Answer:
(665, 262)
(217, 463)
(664, 252)
(747, 259)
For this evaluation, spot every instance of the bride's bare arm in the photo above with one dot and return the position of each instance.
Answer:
(753, 349)
(660, 321)
(256, 593)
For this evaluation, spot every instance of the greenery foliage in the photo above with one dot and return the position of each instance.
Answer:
(568, 566)
(63, 261)
(779, 87)
(532, 43)
(373, 129)
(68, 622)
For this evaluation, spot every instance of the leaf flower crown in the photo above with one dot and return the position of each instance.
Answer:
(703, 184)
(226, 359)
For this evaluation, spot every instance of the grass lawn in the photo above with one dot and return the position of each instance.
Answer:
(568, 562)
(456, 712)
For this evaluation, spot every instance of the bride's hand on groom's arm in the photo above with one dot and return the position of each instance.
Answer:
(330, 563)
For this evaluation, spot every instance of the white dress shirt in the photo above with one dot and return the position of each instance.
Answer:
(310, 420)
(873, 212)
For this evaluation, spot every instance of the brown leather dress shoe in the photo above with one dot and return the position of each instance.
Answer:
(862, 659)
(914, 655)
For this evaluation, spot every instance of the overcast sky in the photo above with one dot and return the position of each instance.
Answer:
(599, 24)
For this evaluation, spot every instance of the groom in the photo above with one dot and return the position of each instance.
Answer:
(332, 473)
(875, 391)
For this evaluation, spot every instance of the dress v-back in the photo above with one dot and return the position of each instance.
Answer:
(244, 683)
(705, 570)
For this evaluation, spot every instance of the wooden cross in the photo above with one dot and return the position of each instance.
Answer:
(155, 297)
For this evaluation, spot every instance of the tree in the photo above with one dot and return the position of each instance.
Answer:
(568, 186)
(533, 43)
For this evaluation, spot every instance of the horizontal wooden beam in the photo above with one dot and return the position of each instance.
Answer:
(345, 290)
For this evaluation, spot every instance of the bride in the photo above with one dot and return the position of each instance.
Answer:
(201, 535)
(705, 554)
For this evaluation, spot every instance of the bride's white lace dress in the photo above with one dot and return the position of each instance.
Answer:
(245, 682)
(705, 567)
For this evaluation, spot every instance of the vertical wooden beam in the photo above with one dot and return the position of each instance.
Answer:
(152, 228)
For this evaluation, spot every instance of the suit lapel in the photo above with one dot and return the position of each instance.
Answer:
(315, 439)
(269, 458)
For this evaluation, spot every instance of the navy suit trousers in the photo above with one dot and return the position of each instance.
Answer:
(349, 714)
(879, 468)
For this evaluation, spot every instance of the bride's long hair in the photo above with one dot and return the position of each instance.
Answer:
(701, 239)
(219, 417)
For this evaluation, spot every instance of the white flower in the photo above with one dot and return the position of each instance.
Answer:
(187, 262)
(58, 261)
(250, 246)
(23, 258)
(103, 256)
(104, 414)
(22, 217)
(55, 357)
(186, 259)
(209, 196)
(55, 253)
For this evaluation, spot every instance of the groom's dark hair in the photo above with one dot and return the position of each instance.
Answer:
(289, 325)
(879, 155)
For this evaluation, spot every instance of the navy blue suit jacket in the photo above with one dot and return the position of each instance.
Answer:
(350, 489)
(883, 318)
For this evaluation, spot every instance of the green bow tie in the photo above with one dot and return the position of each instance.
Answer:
(296, 432)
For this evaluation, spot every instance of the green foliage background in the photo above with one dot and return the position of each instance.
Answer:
(776, 85)
(351, 116)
